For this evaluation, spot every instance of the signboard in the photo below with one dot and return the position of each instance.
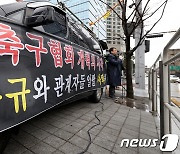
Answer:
(38, 71)
(174, 68)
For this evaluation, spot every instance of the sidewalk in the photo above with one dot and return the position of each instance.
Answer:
(64, 130)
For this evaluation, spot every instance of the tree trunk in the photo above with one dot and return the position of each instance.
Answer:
(130, 92)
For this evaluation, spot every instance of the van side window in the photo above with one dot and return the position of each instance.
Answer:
(17, 16)
(91, 42)
(75, 35)
(58, 27)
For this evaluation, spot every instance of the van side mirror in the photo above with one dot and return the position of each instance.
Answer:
(96, 47)
(40, 16)
(103, 44)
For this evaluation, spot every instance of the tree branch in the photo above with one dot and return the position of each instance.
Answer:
(111, 8)
(142, 38)
(156, 10)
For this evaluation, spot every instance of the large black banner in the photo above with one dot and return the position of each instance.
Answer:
(39, 71)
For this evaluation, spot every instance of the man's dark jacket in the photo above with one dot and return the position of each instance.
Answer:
(114, 69)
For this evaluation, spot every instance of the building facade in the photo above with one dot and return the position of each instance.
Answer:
(114, 28)
(89, 11)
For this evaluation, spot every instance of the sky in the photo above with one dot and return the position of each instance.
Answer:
(169, 22)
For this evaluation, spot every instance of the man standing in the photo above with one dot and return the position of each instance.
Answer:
(114, 68)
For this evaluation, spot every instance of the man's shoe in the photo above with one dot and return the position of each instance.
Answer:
(111, 96)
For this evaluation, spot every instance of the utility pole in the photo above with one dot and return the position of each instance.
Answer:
(140, 52)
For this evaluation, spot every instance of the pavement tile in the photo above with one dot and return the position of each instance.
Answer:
(110, 131)
(108, 137)
(102, 117)
(125, 136)
(137, 118)
(48, 120)
(148, 121)
(123, 150)
(83, 134)
(124, 108)
(54, 117)
(95, 149)
(63, 134)
(69, 148)
(58, 152)
(14, 147)
(108, 114)
(118, 123)
(121, 114)
(112, 126)
(77, 125)
(134, 112)
(149, 132)
(81, 121)
(149, 151)
(78, 141)
(58, 124)
(64, 120)
(103, 122)
(130, 132)
(118, 118)
(54, 141)
(87, 118)
(77, 115)
(132, 122)
(26, 139)
(71, 129)
(28, 127)
(151, 125)
(108, 145)
(49, 128)
(91, 115)
(27, 152)
(151, 129)
(94, 125)
(42, 148)
(40, 134)
(95, 131)
(70, 118)
(149, 118)
(130, 126)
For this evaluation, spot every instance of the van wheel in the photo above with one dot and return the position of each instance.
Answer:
(96, 96)
(4, 139)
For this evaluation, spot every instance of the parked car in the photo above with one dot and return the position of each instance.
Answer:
(46, 58)
(174, 78)
(178, 81)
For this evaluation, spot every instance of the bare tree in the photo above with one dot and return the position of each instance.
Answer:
(135, 19)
